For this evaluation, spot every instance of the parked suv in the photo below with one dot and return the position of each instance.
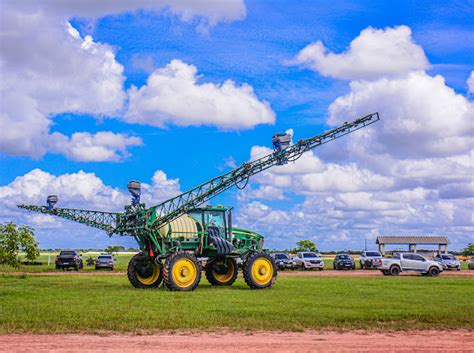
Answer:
(283, 261)
(344, 261)
(408, 262)
(367, 259)
(105, 261)
(67, 259)
(448, 261)
(307, 260)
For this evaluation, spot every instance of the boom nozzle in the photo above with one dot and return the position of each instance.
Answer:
(52, 200)
(135, 188)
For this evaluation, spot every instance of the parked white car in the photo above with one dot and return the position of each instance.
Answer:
(307, 260)
(408, 262)
(448, 261)
(367, 259)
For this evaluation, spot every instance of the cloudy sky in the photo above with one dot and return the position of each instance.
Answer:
(172, 93)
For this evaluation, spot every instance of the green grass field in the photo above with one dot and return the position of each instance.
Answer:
(93, 304)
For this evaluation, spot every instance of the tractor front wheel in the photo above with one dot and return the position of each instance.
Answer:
(259, 271)
(221, 271)
(182, 272)
(143, 272)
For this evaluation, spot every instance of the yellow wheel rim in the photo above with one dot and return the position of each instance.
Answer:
(223, 278)
(262, 271)
(147, 281)
(184, 272)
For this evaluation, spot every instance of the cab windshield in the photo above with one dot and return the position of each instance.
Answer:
(309, 255)
(215, 219)
(282, 256)
(448, 257)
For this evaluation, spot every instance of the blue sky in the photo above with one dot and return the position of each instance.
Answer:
(257, 43)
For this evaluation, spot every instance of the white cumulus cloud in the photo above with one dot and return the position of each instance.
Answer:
(470, 83)
(99, 147)
(75, 190)
(47, 68)
(172, 95)
(374, 53)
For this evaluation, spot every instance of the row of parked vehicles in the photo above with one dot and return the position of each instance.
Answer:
(68, 259)
(308, 260)
(400, 262)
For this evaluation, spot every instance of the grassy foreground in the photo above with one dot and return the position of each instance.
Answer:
(100, 303)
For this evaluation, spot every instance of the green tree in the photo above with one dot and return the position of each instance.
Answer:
(13, 240)
(306, 245)
(468, 250)
(114, 248)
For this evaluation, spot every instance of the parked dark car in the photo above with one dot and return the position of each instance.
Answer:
(69, 259)
(344, 262)
(283, 261)
(105, 261)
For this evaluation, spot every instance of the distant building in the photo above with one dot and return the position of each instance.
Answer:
(412, 242)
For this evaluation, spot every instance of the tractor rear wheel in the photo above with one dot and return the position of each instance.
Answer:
(222, 271)
(182, 272)
(143, 272)
(259, 271)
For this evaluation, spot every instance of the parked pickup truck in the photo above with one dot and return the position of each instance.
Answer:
(408, 262)
(69, 258)
(368, 258)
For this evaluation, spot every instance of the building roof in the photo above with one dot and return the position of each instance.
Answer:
(400, 239)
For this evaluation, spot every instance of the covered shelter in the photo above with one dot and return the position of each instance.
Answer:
(412, 242)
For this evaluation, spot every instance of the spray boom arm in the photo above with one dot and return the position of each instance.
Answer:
(173, 208)
(136, 219)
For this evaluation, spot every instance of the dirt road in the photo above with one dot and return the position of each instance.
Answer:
(310, 341)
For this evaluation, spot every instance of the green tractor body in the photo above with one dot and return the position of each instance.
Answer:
(179, 236)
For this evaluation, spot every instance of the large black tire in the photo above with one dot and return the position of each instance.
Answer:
(222, 271)
(433, 271)
(260, 271)
(182, 272)
(144, 273)
(386, 272)
(394, 271)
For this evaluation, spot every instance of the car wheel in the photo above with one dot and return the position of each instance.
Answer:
(386, 272)
(394, 271)
(433, 272)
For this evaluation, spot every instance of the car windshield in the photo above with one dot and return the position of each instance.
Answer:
(448, 257)
(344, 257)
(105, 257)
(281, 256)
(309, 255)
(372, 253)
